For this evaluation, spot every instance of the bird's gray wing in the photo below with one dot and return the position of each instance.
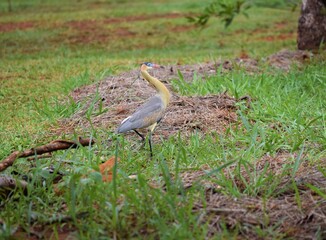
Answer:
(146, 115)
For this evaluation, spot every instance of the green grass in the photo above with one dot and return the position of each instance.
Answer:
(293, 101)
(40, 65)
(131, 208)
(37, 63)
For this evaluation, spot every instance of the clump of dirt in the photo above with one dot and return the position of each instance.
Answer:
(285, 59)
(300, 215)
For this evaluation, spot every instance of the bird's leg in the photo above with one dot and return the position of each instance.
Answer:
(150, 143)
(140, 135)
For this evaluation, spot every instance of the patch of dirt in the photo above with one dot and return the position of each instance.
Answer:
(89, 25)
(280, 37)
(183, 28)
(116, 97)
(66, 231)
(281, 25)
(259, 31)
(285, 59)
(244, 55)
(124, 32)
(122, 94)
(98, 31)
(87, 32)
(84, 32)
(12, 26)
(280, 166)
(282, 212)
(264, 30)
(142, 18)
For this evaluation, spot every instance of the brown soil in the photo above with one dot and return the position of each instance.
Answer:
(282, 212)
(92, 32)
(12, 26)
(280, 37)
(142, 18)
(65, 231)
(183, 28)
(122, 94)
(284, 59)
(92, 24)
(281, 25)
(98, 31)
(259, 31)
(83, 32)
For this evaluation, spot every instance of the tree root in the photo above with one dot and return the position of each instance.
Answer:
(47, 148)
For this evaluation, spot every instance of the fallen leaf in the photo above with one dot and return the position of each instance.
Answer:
(106, 169)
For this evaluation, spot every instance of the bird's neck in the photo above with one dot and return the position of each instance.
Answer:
(160, 87)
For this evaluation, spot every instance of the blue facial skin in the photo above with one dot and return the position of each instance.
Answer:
(148, 64)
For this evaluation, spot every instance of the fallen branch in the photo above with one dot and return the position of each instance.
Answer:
(47, 155)
(9, 184)
(47, 148)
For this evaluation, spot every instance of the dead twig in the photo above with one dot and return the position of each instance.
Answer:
(47, 148)
(9, 184)
(48, 155)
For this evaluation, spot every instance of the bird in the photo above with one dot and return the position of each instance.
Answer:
(149, 114)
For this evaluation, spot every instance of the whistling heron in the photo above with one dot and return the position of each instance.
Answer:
(151, 112)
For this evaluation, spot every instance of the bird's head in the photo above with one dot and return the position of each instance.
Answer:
(147, 65)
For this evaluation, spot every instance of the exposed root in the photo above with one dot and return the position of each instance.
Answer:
(47, 148)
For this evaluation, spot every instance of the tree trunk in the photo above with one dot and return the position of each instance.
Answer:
(9, 6)
(312, 25)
